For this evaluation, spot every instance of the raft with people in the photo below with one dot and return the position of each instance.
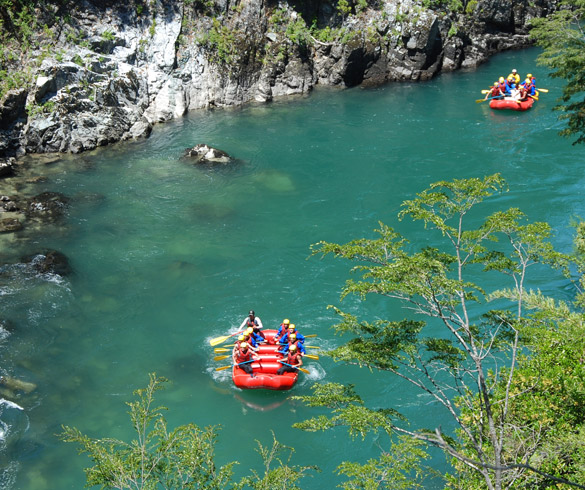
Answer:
(510, 94)
(265, 369)
(265, 359)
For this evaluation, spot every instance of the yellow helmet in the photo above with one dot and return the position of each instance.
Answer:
(529, 75)
(528, 80)
(293, 336)
(241, 338)
(502, 79)
(291, 326)
(495, 84)
(243, 345)
(249, 330)
(293, 347)
(286, 321)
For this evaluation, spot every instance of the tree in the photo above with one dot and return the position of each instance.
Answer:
(469, 368)
(562, 38)
(178, 459)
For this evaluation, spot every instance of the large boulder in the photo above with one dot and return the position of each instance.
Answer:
(204, 154)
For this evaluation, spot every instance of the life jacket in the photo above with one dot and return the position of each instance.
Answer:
(242, 356)
(293, 359)
(502, 88)
(251, 323)
(515, 77)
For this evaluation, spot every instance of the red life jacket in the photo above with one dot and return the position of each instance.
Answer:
(502, 87)
(293, 359)
(242, 356)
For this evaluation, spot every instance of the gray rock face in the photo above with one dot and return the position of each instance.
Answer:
(140, 67)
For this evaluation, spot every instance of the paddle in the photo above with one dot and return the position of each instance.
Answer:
(221, 349)
(219, 358)
(542, 90)
(312, 347)
(485, 91)
(231, 365)
(311, 356)
(221, 340)
(483, 100)
(296, 367)
(310, 335)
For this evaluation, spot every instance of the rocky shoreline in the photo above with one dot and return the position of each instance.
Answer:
(111, 71)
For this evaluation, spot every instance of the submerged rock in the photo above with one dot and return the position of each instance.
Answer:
(49, 206)
(9, 225)
(204, 154)
(14, 384)
(50, 262)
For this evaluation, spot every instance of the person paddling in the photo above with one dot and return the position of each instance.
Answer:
(495, 92)
(293, 341)
(243, 354)
(282, 329)
(292, 329)
(293, 358)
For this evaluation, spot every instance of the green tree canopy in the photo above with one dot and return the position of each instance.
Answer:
(562, 38)
(183, 458)
(467, 361)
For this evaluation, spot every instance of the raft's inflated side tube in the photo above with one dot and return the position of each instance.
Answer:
(511, 104)
(265, 369)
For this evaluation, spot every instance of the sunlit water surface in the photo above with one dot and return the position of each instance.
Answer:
(167, 256)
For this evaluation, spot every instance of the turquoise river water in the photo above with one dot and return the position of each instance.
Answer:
(167, 256)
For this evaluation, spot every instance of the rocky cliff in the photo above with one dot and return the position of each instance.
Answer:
(108, 71)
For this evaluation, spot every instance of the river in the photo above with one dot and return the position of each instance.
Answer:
(166, 256)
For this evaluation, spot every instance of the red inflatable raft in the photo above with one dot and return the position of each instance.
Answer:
(265, 368)
(511, 104)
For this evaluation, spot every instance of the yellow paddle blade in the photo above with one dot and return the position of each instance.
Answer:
(480, 100)
(311, 356)
(218, 340)
(543, 90)
(296, 367)
(484, 91)
(310, 335)
(220, 358)
(221, 349)
(223, 367)
(312, 347)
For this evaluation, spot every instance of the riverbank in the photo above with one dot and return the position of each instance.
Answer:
(98, 72)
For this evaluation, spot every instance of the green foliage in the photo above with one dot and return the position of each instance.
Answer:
(456, 366)
(398, 469)
(221, 41)
(344, 8)
(284, 476)
(562, 38)
(182, 458)
(108, 35)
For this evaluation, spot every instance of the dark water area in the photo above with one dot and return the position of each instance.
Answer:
(166, 256)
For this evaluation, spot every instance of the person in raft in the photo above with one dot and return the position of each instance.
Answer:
(251, 321)
(495, 91)
(514, 75)
(253, 338)
(291, 329)
(243, 354)
(282, 330)
(292, 340)
(294, 358)
(528, 87)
